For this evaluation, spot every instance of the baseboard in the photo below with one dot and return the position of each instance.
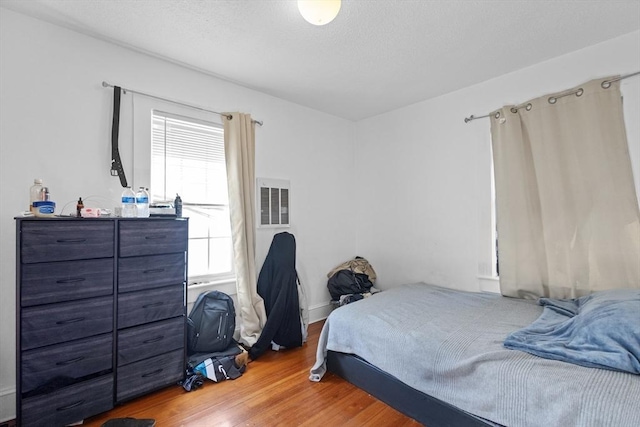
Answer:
(7, 405)
(319, 312)
(489, 284)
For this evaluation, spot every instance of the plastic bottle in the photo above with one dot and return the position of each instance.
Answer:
(128, 203)
(142, 203)
(35, 192)
(79, 207)
(177, 204)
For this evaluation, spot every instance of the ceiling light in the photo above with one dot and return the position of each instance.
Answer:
(319, 12)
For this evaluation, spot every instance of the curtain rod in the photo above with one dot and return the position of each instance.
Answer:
(228, 116)
(605, 84)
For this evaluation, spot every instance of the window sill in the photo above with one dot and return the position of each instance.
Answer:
(213, 282)
(227, 285)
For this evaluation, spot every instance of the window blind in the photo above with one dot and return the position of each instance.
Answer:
(188, 159)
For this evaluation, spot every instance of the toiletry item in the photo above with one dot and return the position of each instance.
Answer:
(90, 213)
(35, 192)
(128, 203)
(142, 203)
(79, 207)
(43, 208)
(177, 203)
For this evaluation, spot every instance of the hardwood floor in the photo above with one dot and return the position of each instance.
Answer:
(274, 391)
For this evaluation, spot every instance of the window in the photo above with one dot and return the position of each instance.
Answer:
(487, 234)
(187, 158)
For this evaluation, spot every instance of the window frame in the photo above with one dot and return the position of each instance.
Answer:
(488, 279)
(143, 108)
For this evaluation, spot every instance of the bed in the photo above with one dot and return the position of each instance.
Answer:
(438, 355)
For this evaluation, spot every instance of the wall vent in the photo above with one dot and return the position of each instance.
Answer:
(273, 204)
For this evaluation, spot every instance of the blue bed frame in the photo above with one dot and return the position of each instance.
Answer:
(413, 403)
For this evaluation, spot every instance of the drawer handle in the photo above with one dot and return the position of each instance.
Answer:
(154, 270)
(73, 405)
(156, 339)
(69, 362)
(71, 240)
(155, 237)
(71, 280)
(66, 322)
(154, 304)
(150, 374)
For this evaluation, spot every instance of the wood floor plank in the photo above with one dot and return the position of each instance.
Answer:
(274, 391)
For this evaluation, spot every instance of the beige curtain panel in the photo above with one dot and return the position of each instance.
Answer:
(239, 148)
(567, 213)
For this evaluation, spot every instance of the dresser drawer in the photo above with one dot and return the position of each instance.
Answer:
(70, 404)
(44, 241)
(150, 340)
(138, 273)
(56, 323)
(150, 374)
(50, 282)
(72, 360)
(153, 237)
(136, 308)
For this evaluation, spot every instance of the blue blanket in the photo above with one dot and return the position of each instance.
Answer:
(601, 330)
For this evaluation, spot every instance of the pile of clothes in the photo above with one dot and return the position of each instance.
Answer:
(351, 281)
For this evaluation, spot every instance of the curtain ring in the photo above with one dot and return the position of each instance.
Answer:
(497, 115)
(527, 107)
(606, 84)
(552, 100)
(579, 92)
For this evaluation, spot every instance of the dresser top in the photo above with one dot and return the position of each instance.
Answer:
(104, 218)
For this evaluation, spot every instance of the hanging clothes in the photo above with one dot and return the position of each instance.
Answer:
(280, 289)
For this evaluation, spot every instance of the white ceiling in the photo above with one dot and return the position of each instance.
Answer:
(376, 56)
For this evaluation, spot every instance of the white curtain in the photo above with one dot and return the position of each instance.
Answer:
(239, 147)
(567, 213)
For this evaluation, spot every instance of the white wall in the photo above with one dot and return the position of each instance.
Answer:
(424, 174)
(55, 124)
(420, 184)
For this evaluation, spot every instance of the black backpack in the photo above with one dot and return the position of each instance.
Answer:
(211, 323)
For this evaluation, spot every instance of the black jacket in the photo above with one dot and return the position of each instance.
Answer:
(277, 285)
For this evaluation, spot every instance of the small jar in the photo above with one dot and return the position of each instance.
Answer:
(44, 208)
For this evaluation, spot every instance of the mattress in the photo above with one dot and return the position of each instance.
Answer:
(449, 345)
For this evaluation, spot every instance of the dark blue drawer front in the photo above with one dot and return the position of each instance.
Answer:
(56, 323)
(150, 374)
(150, 340)
(70, 404)
(46, 241)
(50, 282)
(73, 360)
(137, 308)
(153, 271)
(153, 237)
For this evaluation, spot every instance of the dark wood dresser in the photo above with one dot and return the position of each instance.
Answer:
(100, 313)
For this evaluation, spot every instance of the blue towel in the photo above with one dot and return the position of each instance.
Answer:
(601, 330)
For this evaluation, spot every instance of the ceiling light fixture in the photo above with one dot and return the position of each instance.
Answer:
(319, 12)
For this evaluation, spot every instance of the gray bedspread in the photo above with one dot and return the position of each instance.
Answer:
(449, 344)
